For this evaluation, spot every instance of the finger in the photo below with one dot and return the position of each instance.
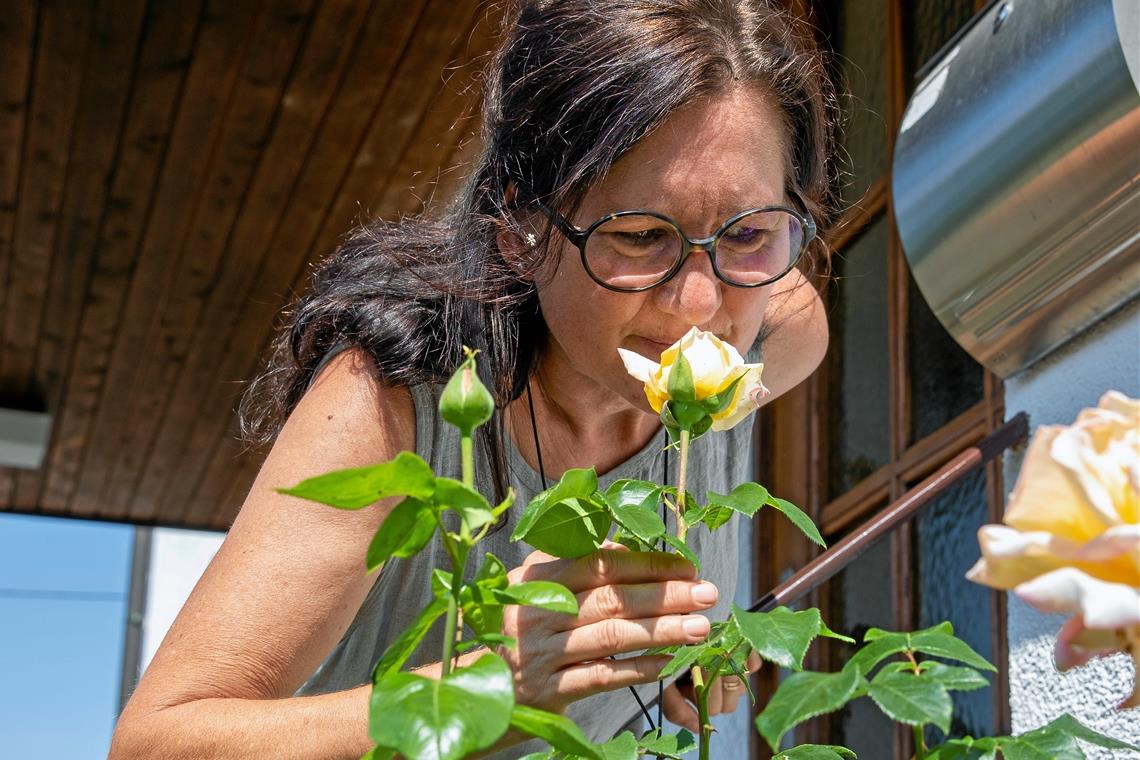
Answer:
(638, 600)
(616, 636)
(754, 662)
(677, 709)
(731, 688)
(610, 567)
(589, 678)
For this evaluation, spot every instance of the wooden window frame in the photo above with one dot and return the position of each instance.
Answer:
(796, 426)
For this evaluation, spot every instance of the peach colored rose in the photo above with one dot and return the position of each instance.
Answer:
(1071, 539)
(715, 365)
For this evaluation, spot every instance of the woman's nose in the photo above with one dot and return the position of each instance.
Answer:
(694, 294)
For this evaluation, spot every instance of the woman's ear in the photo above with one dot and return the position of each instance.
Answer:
(517, 242)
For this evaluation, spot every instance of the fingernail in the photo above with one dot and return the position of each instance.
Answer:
(696, 625)
(705, 593)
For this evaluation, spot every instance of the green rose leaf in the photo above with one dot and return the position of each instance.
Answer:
(673, 746)
(572, 527)
(356, 487)
(445, 719)
(912, 699)
(746, 498)
(405, 531)
(965, 749)
(780, 636)
(815, 752)
(954, 678)
(489, 640)
(799, 519)
(548, 755)
(492, 572)
(580, 481)
(405, 644)
(545, 594)
(634, 508)
(470, 504)
(937, 641)
(804, 695)
(686, 657)
(379, 753)
(683, 549)
(559, 732)
(621, 747)
(1057, 741)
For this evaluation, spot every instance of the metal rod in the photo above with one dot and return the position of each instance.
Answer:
(838, 557)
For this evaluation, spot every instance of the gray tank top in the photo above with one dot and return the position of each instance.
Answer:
(718, 462)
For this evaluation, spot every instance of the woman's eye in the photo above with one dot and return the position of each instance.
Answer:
(641, 237)
(741, 234)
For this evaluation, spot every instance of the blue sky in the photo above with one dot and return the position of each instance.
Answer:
(63, 596)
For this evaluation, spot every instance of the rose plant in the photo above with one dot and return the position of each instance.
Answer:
(701, 384)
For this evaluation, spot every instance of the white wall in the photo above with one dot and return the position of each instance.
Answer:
(1053, 391)
(177, 560)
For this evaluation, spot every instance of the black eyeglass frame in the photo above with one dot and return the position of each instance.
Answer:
(578, 237)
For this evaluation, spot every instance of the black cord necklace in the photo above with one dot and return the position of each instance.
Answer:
(664, 478)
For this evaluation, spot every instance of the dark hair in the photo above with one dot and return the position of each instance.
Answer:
(572, 87)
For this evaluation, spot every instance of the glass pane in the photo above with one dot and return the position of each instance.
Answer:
(861, 599)
(860, 39)
(944, 380)
(946, 546)
(860, 363)
(927, 26)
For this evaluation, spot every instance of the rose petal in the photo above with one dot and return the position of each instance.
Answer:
(1077, 644)
(1011, 557)
(637, 365)
(1068, 590)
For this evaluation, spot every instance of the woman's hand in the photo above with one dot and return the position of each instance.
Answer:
(679, 700)
(628, 601)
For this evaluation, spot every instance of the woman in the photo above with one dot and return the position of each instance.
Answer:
(695, 111)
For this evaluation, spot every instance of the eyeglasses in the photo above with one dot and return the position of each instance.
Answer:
(632, 251)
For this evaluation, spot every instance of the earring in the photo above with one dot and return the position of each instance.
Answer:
(531, 240)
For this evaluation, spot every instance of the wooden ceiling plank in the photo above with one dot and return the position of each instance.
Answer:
(386, 141)
(103, 98)
(168, 38)
(411, 93)
(447, 123)
(246, 128)
(221, 43)
(17, 46)
(58, 70)
(304, 104)
(355, 106)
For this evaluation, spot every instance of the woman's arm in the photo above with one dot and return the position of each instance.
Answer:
(797, 341)
(281, 591)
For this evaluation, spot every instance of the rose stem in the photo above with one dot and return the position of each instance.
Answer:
(702, 690)
(450, 625)
(682, 527)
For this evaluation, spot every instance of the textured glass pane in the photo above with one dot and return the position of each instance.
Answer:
(927, 26)
(860, 369)
(944, 380)
(946, 547)
(862, 600)
(860, 39)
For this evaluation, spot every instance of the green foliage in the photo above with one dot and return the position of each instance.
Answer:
(404, 532)
(782, 636)
(633, 504)
(569, 520)
(673, 746)
(469, 503)
(936, 641)
(465, 402)
(815, 752)
(405, 644)
(559, 732)
(406, 475)
(545, 594)
(449, 718)
(683, 549)
(748, 498)
(912, 698)
(804, 695)
(1057, 740)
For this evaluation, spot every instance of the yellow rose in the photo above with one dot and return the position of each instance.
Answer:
(1071, 539)
(715, 365)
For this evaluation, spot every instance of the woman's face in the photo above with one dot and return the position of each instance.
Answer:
(707, 162)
